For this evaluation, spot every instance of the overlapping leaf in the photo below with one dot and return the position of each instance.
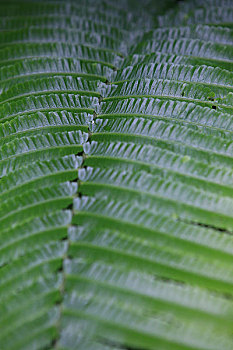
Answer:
(116, 188)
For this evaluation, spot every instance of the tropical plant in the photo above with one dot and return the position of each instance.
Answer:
(116, 163)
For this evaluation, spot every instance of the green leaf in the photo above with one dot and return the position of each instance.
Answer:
(116, 175)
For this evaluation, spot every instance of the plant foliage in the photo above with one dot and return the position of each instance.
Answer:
(116, 175)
